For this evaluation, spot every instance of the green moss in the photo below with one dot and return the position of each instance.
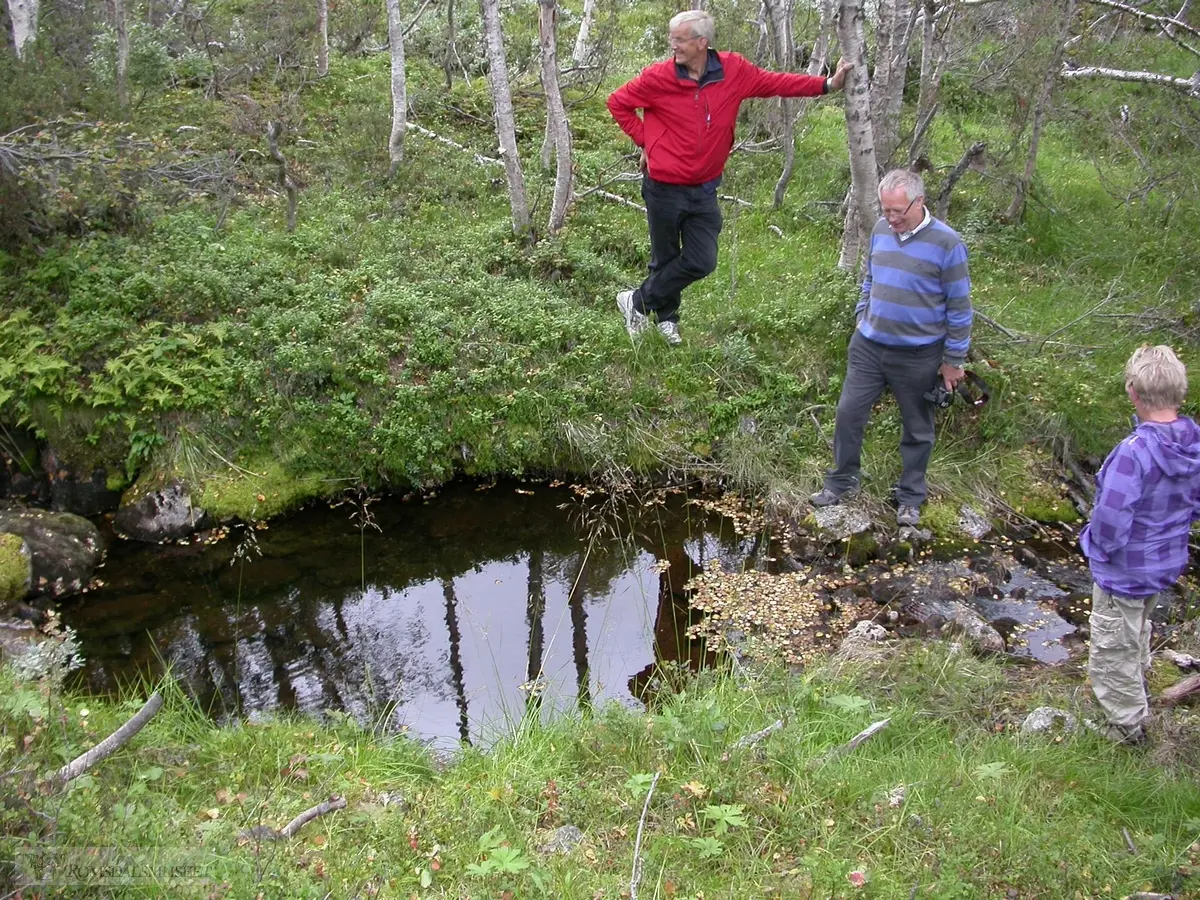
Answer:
(941, 517)
(15, 569)
(270, 491)
(1044, 503)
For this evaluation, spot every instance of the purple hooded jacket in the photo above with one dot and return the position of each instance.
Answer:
(1147, 495)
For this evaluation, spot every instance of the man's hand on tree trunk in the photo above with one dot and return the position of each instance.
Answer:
(837, 80)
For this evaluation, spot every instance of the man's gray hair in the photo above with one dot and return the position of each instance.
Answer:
(1157, 377)
(701, 22)
(911, 182)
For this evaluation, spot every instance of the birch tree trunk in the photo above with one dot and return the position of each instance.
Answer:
(1017, 208)
(399, 87)
(820, 54)
(506, 128)
(582, 47)
(122, 53)
(451, 49)
(323, 38)
(24, 15)
(779, 18)
(558, 129)
(897, 20)
(933, 61)
(862, 209)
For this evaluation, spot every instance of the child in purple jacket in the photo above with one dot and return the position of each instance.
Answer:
(1147, 495)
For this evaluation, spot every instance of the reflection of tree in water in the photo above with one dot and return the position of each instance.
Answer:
(308, 635)
(672, 619)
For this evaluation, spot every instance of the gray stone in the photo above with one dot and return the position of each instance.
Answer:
(865, 642)
(21, 475)
(163, 515)
(842, 520)
(64, 549)
(1046, 719)
(82, 490)
(564, 840)
(972, 523)
(974, 626)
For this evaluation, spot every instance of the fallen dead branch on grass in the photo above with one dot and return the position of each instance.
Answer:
(267, 833)
(853, 744)
(109, 745)
(636, 877)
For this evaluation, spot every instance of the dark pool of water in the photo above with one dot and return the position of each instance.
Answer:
(448, 617)
(455, 616)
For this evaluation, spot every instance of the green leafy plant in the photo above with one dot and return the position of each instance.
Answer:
(850, 703)
(724, 817)
(498, 857)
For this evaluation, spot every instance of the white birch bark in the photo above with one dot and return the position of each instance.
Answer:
(582, 45)
(506, 128)
(933, 58)
(122, 53)
(1017, 207)
(1191, 85)
(1180, 16)
(820, 54)
(24, 15)
(399, 87)
(862, 210)
(779, 17)
(894, 31)
(558, 129)
(322, 38)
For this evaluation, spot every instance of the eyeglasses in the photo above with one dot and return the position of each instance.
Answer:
(679, 42)
(900, 212)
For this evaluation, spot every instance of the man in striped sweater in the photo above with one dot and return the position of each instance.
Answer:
(914, 326)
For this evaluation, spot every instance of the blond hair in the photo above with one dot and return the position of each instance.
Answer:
(1157, 376)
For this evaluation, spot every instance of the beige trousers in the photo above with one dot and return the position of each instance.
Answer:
(1120, 655)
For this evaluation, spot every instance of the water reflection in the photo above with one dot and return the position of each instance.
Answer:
(475, 608)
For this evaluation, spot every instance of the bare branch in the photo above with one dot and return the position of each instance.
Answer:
(479, 158)
(1190, 85)
(637, 846)
(285, 181)
(311, 813)
(109, 745)
(417, 18)
(942, 204)
(1163, 21)
(853, 744)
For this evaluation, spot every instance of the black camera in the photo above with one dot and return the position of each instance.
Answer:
(939, 396)
(973, 390)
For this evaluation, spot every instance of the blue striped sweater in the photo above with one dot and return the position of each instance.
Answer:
(917, 290)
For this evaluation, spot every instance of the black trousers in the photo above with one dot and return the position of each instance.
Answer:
(684, 224)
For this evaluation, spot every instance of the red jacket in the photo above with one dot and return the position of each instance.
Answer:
(686, 127)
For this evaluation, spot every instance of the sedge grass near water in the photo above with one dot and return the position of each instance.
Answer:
(948, 799)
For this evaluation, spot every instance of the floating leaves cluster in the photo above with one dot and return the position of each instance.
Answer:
(793, 615)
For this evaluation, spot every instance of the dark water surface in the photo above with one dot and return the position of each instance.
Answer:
(474, 603)
(452, 616)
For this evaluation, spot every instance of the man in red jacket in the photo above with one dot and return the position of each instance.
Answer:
(689, 107)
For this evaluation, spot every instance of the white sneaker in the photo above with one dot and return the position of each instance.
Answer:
(635, 322)
(670, 331)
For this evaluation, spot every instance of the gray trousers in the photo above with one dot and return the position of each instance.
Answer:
(909, 372)
(1119, 655)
